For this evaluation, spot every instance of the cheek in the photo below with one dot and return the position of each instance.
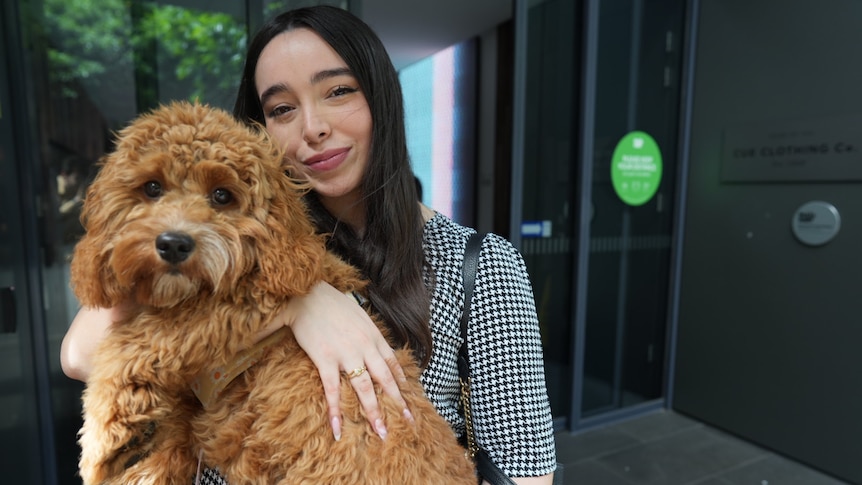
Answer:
(282, 135)
(362, 122)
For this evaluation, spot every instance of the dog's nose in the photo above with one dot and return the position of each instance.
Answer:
(174, 247)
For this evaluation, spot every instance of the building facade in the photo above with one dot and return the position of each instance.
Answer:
(681, 177)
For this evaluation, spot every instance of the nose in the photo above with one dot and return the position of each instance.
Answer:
(315, 126)
(174, 247)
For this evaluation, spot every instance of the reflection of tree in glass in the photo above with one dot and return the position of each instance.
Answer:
(208, 47)
(275, 7)
(88, 40)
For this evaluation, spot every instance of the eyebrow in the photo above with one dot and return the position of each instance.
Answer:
(329, 73)
(272, 91)
(317, 78)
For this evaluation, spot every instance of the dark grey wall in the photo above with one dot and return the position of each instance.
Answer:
(769, 329)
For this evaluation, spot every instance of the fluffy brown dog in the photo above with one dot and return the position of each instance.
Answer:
(193, 224)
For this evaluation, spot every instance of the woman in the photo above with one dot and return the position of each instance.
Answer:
(320, 82)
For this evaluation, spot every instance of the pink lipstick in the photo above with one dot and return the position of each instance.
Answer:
(328, 160)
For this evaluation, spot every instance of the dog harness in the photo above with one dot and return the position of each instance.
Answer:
(208, 386)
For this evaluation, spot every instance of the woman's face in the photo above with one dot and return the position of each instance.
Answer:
(313, 107)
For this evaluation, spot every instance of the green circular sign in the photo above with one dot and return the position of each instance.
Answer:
(636, 168)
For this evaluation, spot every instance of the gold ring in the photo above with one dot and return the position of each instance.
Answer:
(356, 372)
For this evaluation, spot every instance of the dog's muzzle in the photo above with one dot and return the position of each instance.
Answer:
(174, 247)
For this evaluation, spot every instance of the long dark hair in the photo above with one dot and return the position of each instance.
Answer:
(390, 251)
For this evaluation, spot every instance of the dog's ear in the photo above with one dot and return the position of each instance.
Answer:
(93, 281)
(290, 255)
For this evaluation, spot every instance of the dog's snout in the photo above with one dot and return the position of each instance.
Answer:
(174, 247)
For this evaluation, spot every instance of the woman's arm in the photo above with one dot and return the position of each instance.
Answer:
(334, 331)
(543, 480)
(86, 332)
(508, 393)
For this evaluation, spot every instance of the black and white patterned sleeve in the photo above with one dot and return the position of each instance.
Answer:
(512, 416)
(210, 476)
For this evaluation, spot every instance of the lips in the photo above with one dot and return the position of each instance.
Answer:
(328, 160)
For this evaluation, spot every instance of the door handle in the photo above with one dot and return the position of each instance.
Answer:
(8, 316)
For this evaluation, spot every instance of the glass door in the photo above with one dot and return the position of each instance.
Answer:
(636, 101)
(598, 245)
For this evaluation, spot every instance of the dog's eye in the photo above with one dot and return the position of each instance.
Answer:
(221, 197)
(153, 189)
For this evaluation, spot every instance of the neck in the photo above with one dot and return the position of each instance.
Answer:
(348, 209)
(427, 212)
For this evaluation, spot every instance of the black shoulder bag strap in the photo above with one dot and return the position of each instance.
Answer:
(486, 468)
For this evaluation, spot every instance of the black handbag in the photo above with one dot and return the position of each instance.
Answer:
(486, 468)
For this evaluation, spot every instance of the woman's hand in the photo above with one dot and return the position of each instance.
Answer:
(339, 336)
(89, 327)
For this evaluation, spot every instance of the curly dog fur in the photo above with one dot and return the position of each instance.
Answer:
(192, 222)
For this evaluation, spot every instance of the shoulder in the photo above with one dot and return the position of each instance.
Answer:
(444, 238)
(445, 241)
(443, 234)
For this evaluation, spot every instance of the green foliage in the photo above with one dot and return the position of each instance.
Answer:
(204, 47)
(272, 8)
(90, 42)
(85, 41)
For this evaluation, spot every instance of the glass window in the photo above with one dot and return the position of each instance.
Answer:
(550, 167)
(439, 111)
(90, 68)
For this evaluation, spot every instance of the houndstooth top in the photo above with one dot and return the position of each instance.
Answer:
(511, 412)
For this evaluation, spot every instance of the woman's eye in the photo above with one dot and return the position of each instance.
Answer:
(342, 90)
(153, 189)
(280, 111)
(221, 197)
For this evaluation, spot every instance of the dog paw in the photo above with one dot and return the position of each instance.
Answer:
(137, 447)
(107, 464)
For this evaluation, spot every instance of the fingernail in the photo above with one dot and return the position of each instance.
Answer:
(381, 428)
(336, 428)
(409, 415)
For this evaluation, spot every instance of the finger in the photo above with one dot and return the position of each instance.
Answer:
(387, 373)
(391, 359)
(332, 390)
(368, 399)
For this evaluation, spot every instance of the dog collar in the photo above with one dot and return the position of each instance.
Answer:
(209, 385)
